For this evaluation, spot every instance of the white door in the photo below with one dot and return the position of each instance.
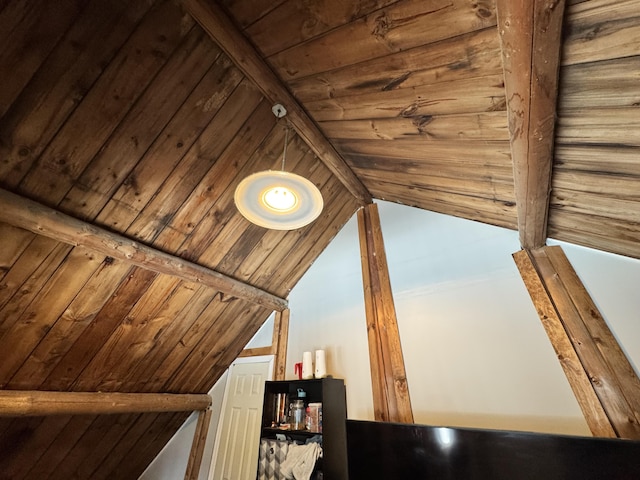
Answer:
(238, 442)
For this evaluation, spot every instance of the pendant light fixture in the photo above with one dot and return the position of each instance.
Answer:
(278, 200)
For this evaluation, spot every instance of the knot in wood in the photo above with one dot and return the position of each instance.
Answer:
(381, 26)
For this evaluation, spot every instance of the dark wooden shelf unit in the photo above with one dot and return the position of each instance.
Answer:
(331, 392)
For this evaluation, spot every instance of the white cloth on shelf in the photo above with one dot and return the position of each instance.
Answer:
(300, 461)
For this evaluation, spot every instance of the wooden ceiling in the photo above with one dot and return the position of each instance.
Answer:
(125, 127)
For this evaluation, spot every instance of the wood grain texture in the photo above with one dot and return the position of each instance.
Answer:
(468, 95)
(129, 116)
(390, 389)
(69, 230)
(142, 125)
(600, 30)
(304, 20)
(529, 34)
(613, 383)
(63, 80)
(41, 28)
(221, 29)
(41, 403)
(279, 342)
(197, 448)
(472, 55)
(397, 27)
(601, 233)
(488, 126)
(100, 112)
(578, 378)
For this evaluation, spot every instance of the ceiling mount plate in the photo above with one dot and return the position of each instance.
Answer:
(278, 110)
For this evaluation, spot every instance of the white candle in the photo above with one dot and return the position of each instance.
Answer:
(307, 366)
(321, 365)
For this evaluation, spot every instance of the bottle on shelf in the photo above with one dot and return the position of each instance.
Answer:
(297, 418)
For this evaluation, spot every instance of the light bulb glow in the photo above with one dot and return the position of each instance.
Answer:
(280, 199)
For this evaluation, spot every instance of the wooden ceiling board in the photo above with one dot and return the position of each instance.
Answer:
(469, 95)
(617, 236)
(383, 88)
(247, 12)
(304, 20)
(94, 447)
(69, 326)
(62, 81)
(193, 166)
(588, 158)
(73, 363)
(41, 27)
(128, 116)
(473, 184)
(471, 55)
(423, 150)
(38, 434)
(595, 198)
(489, 126)
(24, 267)
(174, 156)
(106, 104)
(214, 187)
(131, 340)
(142, 126)
(599, 30)
(400, 26)
(29, 323)
(54, 454)
(501, 213)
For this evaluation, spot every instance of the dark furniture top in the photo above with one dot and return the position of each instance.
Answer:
(378, 450)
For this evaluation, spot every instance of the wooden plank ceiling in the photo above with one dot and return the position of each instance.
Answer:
(127, 116)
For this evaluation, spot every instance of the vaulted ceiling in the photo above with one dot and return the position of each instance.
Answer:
(125, 127)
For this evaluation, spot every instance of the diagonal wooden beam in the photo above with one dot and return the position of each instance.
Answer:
(602, 378)
(14, 403)
(214, 20)
(530, 35)
(42, 220)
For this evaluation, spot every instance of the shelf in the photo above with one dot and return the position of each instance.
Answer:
(302, 433)
(331, 393)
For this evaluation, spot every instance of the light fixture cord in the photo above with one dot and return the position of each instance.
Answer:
(284, 152)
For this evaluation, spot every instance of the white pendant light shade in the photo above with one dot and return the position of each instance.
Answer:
(278, 200)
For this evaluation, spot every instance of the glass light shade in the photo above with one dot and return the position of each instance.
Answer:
(278, 200)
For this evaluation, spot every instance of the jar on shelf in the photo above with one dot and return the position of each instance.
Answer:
(297, 417)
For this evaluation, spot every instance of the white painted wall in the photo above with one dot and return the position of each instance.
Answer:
(171, 462)
(475, 351)
(476, 354)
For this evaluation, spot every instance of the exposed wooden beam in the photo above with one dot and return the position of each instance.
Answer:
(42, 220)
(197, 447)
(215, 21)
(14, 403)
(257, 352)
(280, 339)
(601, 377)
(530, 34)
(391, 401)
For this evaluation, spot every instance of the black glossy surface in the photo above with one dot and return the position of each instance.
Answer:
(379, 450)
